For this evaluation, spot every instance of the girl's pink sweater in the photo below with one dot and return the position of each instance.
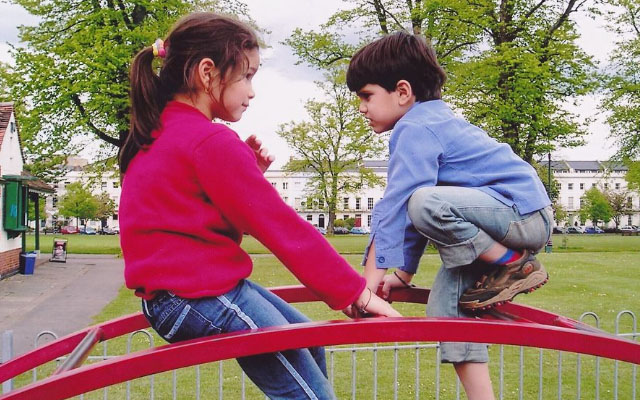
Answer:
(186, 201)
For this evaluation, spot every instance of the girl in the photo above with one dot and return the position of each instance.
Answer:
(192, 187)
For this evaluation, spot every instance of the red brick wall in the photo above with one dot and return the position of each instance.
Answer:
(9, 261)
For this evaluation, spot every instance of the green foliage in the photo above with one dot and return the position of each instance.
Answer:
(595, 206)
(333, 145)
(5, 93)
(633, 175)
(619, 204)
(339, 223)
(549, 181)
(511, 64)
(349, 223)
(71, 77)
(622, 97)
(78, 202)
(31, 213)
(559, 213)
(106, 206)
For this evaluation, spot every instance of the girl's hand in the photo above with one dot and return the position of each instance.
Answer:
(372, 305)
(262, 154)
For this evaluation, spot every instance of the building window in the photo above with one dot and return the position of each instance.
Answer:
(570, 186)
(593, 185)
(358, 203)
(345, 203)
(54, 201)
(285, 185)
(570, 203)
(285, 199)
(116, 184)
(309, 202)
(617, 186)
(274, 184)
(370, 203)
(582, 186)
(309, 217)
(103, 186)
(606, 186)
(346, 216)
(630, 203)
(369, 220)
(115, 217)
(629, 220)
(321, 204)
(12, 127)
(581, 203)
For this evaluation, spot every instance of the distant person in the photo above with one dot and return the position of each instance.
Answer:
(482, 206)
(192, 187)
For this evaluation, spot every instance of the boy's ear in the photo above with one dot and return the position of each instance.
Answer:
(405, 92)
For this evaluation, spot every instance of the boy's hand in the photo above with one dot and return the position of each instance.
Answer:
(262, 154)
(394, 280)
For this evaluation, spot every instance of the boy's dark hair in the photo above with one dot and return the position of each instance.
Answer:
(193, 38)
(396, 57)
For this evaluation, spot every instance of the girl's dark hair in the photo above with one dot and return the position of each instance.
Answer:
(396, 57)
(193, 38)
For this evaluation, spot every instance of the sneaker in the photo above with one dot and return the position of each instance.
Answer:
(505, 282)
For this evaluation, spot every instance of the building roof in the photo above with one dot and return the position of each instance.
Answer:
(6, 110)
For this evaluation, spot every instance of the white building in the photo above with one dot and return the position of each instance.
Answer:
(76, 169)
(574, 178)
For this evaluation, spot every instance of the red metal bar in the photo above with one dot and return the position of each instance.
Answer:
(377, 330)
(81, 352)
(65, 345)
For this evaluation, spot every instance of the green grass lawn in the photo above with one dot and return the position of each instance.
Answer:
(345, 244)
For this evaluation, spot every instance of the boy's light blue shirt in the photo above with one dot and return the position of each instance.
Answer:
(431, 146)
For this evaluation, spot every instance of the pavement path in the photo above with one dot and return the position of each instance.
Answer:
(58, 297)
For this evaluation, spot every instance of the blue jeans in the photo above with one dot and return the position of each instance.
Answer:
(291, 374)
(464, 223)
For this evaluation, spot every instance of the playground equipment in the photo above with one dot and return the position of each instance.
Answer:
(509, 324)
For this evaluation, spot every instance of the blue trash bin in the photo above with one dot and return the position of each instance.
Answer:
(27, 263)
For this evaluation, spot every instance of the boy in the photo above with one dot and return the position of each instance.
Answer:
(449, 182)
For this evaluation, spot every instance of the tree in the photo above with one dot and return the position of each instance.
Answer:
(619, 204)
(333, 146)
(511, 64)
(622, 98)
(71, 77)
(106, 207)
(633, 175)
(78, 202)
(595, 207)
(31, 212)
(5, 94)
(559, 213)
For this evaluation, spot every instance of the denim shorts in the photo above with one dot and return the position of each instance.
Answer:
(463, 223)
(291, 374)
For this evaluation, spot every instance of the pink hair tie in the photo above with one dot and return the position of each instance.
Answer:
(158, 48)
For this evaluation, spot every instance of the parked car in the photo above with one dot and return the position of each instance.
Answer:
(107, 231)
(575, 229)
(321, 230)
(593, 229)
(628, 228)
(340, 230)
(69, 230)
(88, 231)
(359, 230)
(559, 229)
(50, 229)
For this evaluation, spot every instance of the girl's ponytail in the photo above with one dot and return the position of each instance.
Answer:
(147, 102)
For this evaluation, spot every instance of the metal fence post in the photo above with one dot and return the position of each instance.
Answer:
(7, 354)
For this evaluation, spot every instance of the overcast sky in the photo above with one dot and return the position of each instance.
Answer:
(282, 87)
